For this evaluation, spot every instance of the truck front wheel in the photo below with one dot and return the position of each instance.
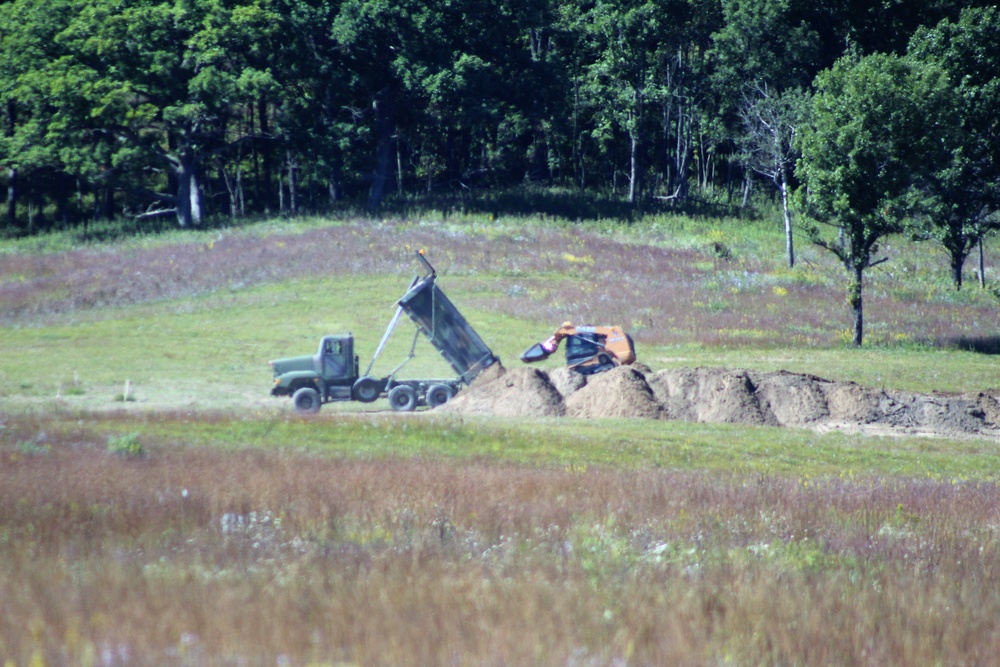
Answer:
(306, 401)
(403, 398)
(366, 389)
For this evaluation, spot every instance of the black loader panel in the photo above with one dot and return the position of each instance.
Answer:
(446, 329)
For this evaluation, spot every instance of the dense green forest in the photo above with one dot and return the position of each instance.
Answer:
(884, 110)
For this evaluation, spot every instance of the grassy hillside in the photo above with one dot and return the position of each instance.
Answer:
(199, 315)
(203, 522)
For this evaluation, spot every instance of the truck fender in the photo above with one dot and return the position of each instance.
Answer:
(289, 382)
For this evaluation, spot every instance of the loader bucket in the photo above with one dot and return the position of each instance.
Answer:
(536, 352)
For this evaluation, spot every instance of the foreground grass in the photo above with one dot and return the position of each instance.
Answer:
(624, 444)
(265, 555)
(203, 523)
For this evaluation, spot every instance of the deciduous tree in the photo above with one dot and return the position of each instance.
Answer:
(961, 189)
(771, 122)
(873, 121)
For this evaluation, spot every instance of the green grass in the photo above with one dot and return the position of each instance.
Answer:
(907, 368)
(562, 443)
(212, 350)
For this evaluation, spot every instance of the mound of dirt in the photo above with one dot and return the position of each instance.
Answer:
(732, 396)
(850, 403)
(518, 392)
(621, 392)
(919, 413)
(710, 395)
(566, 381)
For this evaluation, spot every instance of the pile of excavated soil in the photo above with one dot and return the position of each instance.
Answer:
(621, 393)
(724, 395)
(524, 392)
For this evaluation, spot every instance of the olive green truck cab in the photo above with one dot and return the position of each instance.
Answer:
(334, 373)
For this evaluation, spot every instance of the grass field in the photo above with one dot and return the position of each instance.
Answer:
(196, 520)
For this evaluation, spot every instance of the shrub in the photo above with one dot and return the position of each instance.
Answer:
(127, 445)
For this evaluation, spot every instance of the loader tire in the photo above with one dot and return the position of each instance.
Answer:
(403, 398)
(438, 394)
(366, 389)
(306, 401)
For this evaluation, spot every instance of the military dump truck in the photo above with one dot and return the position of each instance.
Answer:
(332, 374)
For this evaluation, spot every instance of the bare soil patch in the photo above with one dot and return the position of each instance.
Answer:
(734, 396)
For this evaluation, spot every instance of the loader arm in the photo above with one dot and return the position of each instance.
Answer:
(542, 351)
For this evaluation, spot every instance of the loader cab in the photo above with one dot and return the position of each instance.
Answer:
(586, 353)
(335, 359)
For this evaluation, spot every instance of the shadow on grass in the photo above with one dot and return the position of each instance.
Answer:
(555, 203)
(978, 344)
(526, 201)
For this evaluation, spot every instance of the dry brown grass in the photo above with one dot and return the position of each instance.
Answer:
(199, 556)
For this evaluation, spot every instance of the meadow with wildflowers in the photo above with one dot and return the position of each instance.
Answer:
(157, 507)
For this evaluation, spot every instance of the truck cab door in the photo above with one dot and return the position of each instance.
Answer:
(335, 358)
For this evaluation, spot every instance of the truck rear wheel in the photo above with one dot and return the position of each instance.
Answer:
(366, 389)
(438, 394)
(403, 398)
(306, 401)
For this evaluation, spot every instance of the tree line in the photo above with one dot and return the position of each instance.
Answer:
(870, 117)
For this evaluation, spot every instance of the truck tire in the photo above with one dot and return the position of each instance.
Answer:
(438, 394)
(366, 389)
(403, 398)
(306, 401)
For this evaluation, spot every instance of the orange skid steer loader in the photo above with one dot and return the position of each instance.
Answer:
(589, 349)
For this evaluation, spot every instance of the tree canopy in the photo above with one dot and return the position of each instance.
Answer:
(872, 119)
(194, 108)
(961, 189)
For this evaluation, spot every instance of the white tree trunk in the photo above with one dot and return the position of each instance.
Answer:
(789, 246)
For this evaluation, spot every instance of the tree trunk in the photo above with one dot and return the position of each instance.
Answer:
(108, 207)
(633, 176)
(957, 260)
(183, 198)
(240, 198)
(252, 131)
(384, 113)
(281, 191)
(38, 199)
(682, 155)
(61, 197)
(265, 152)
(12, 197)
(189, 211)
(230, 191)
(854, 298)
(12, 171)
(982, 265)
(789, 245)
(293, 183)
(332, 185)
(399, 168)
